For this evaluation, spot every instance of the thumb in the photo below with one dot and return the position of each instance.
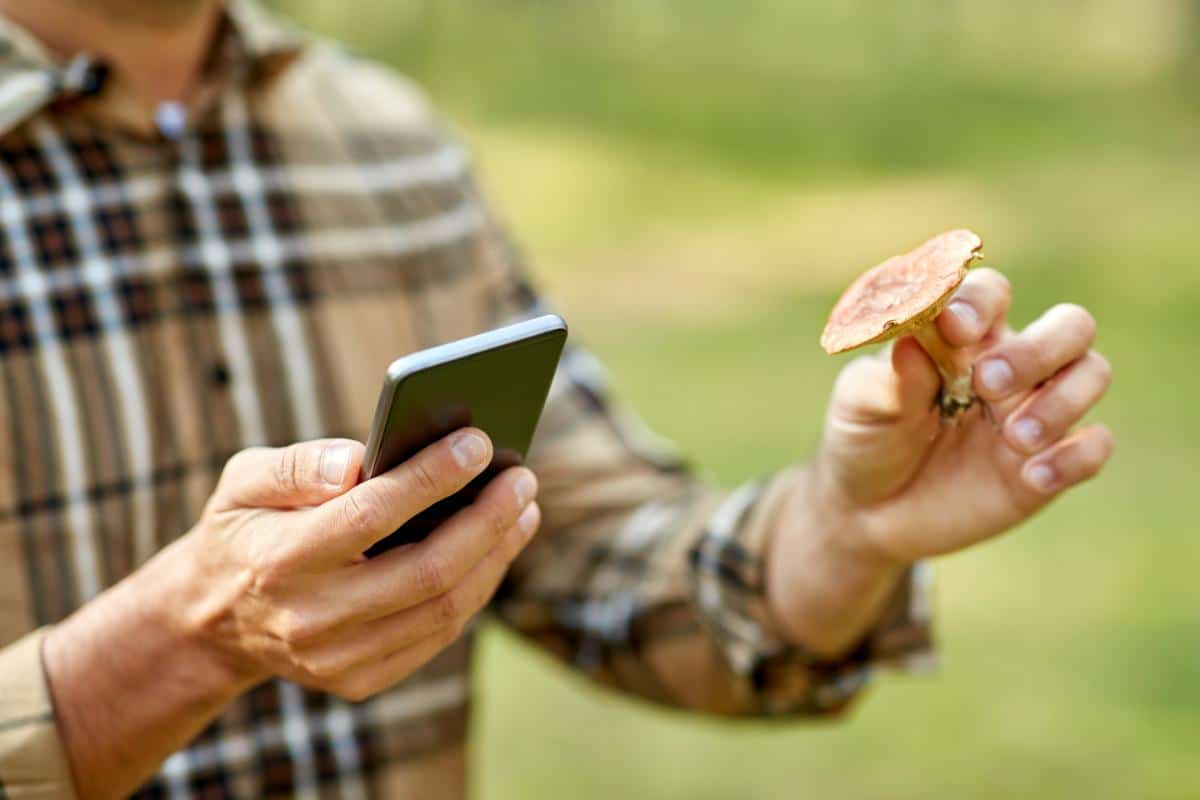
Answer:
(917, 378)
(302, 474)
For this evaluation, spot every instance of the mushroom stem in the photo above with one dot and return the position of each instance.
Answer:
(954, 365)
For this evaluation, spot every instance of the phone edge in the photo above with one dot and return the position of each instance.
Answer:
(409, 364)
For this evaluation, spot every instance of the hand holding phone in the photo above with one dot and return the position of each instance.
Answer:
(497, 381)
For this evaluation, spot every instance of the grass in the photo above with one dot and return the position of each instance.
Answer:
(697, 187)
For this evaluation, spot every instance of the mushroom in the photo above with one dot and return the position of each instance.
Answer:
(903, 296)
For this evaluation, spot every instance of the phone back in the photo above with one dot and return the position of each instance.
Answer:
(497, 382)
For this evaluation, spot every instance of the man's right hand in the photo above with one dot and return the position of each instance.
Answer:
(272, 581)
(280, 583)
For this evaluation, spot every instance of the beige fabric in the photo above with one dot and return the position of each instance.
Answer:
(32, 763)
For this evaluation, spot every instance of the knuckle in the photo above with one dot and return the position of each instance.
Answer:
(268, 572)
(433, 574)
(361, 509)
(1080, 318)
(498, 521)
(994, 280)
(422, 478)
(1033, 363)
(287, 470)
(1001, 279)
(447, 609)
(238, 459)
(295, 627)
(323, 667)
(238, 463)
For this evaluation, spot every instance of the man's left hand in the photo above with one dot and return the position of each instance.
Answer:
(891, 484)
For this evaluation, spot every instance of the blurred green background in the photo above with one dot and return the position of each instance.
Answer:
(697, 180)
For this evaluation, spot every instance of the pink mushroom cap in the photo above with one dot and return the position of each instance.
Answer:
(901, 294)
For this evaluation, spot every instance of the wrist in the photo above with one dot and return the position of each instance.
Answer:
(825, 580)
(125, 667)
(157, 607)
(191, 609)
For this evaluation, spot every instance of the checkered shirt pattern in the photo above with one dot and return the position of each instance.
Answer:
(167, 299)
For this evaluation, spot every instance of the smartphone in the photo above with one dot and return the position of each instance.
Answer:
(497, 381)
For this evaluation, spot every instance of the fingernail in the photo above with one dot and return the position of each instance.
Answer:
(525, 487)
(334, 461)
(469, 449)
(968, 317)
(529, 519)
(1040, 477)
(996, 375)
(1028, 432)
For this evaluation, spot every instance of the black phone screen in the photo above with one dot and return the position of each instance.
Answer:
(500, 390)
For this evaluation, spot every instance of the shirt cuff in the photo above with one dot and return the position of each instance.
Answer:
(33, 763)
(728, 572)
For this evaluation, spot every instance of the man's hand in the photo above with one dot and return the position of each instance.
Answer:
(890, 485)
(272, 582)
(287, 591)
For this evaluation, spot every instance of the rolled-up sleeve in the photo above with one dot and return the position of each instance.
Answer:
(33, 763)
(651, 580)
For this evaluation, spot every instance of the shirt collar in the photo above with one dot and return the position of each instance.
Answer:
(253, 45)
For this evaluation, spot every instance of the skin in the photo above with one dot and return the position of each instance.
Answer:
(891, 485)
(156, 46)
(271, 580)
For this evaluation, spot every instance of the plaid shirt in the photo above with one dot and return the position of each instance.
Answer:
(171, 293)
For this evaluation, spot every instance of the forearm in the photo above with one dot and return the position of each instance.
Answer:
(823, 592)
(130, 685)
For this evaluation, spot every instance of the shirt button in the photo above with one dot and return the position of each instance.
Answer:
(171, 119)
(218, 374)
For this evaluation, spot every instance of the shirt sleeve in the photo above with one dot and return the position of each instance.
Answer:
(33, 763)
(650, 580)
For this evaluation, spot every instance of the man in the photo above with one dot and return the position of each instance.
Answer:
(216, 234)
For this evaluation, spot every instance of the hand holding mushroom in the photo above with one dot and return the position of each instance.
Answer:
(911, 465)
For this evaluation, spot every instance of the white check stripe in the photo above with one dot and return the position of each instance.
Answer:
(350, 244)
(218, 260)
(298, 737)
(216, 256)
(339, 727)
(61, 391)
(21, 94)
(302, 391)
(397, 706)
(346, 244)
(447, 163)
(289, 330)
(175, 772)
(99, 275)
(719, 533)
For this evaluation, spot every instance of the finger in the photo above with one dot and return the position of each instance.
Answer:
(979, 303)
(380, 637)
(1075, 459)
(1052, 410)
(374, 677)
(406, 577)
(377, 507)
(303, 474)
(1061, 335)
(917, 379)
